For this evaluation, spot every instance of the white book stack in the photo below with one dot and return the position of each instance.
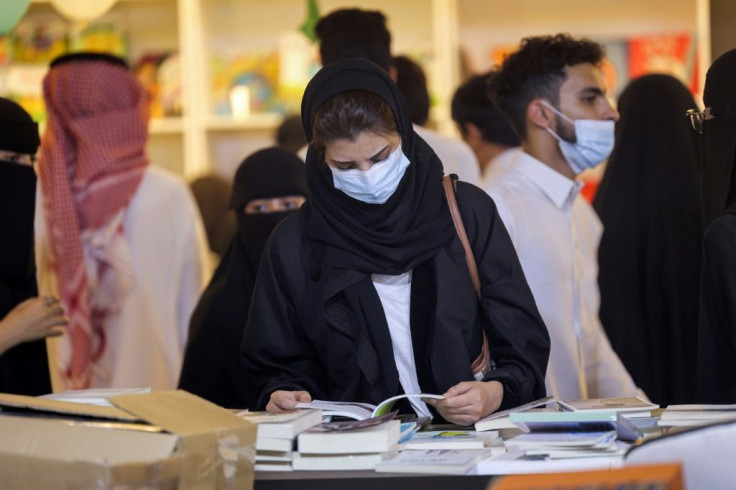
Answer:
(356, 449)
(449, 439)
(434, 461)
(276, 435)
(563, 445)
(696, 415)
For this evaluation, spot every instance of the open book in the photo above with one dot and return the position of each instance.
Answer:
(361, 411)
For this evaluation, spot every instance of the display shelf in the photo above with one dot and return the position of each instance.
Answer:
(165, 125)
(258, 121)
(202, 140)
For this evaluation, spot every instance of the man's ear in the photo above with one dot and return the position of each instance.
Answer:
(392, 72)
(540, 115)
(472, 134)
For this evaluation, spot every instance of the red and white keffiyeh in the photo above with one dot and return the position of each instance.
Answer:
(91, 163)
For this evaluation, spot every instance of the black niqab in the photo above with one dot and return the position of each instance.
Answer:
(649, 255)
(716, 361)
(389, 238)
(211, 367)
(719, 137)
(24, 368)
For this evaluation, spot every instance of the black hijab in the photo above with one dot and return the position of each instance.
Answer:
(716, 364)
(389, 238)
(24, 369)
(211, 367)
(718, 150)
(649, 255)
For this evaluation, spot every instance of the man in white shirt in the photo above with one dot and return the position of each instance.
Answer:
(553, 91)
(485, 128)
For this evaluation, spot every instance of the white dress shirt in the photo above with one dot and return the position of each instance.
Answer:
(169, 255)
(456, 156)
(556, 235)
(395, 295)
(499, 165)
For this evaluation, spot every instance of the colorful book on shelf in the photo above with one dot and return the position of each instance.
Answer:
(500, 420)
(434, 461)
(282, 425)
(361, 411)
(632, 405)
(449, 439)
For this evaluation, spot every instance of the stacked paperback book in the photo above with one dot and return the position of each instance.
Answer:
(276, 435)
(696, 415)
(347, 446)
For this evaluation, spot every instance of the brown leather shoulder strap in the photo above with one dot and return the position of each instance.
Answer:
(449, 186)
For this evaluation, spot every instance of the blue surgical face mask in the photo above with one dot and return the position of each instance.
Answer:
(594, 142)
(375, 185)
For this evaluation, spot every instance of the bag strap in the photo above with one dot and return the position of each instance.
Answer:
(449, 184)
(482, 364)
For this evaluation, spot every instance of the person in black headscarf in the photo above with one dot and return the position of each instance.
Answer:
(25, 319)
(649, 255)
(716, 361)
(269, 185)
(365, 292)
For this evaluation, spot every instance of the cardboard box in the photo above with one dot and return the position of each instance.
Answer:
(164, 439)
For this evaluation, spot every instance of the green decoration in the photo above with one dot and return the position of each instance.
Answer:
(11, 12)
(311, 21)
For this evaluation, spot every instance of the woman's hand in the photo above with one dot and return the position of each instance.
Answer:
(33, 319)
(283, 401)
(469, 401)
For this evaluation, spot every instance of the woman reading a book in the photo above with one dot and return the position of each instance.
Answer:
(365, 292)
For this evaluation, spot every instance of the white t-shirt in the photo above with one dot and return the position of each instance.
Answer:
(395, 295)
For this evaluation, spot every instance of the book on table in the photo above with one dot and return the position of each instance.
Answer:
(361, 411)
(449, 439)
(500, 420)
(284, 425)
(561, 422)
(633, 406)
(695, 415)
(379, 438)
(332, 462)
(434, 461)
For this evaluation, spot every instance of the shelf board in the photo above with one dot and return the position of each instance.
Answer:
(166, 125)
(257, 121)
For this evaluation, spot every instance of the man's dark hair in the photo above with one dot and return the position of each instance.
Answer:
(412, 84)
(471, 104)
(290, 134)
(537, 70)
(354, 33)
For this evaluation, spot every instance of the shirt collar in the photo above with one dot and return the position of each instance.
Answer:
(558, 188)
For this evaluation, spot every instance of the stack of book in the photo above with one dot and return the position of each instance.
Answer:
(696, 415)
(276, 435)
(434, 461)
(328, 447)
(566, 435)
(628, 406)
(454, 439)
(559, 445)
